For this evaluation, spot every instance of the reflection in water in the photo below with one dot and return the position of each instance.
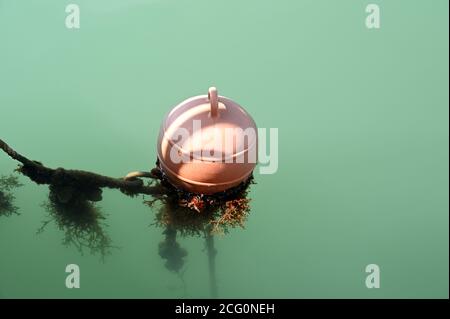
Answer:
(197, 215)
(212, 252)
(72, 207)
(73, 193)
(79, 218)
(7, 185)
(171, 251)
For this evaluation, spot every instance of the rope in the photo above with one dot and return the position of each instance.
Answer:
(37, 172)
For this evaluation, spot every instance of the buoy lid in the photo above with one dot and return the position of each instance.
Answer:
(216, 127)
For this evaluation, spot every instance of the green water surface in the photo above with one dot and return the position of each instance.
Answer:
(363, 141)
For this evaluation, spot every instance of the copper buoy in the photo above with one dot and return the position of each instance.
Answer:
(207, 144)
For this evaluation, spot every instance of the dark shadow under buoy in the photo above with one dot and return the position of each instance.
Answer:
(183, 214)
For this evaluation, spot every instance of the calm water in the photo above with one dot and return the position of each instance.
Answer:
(363, 150)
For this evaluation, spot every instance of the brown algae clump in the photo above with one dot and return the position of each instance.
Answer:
(192, 214)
